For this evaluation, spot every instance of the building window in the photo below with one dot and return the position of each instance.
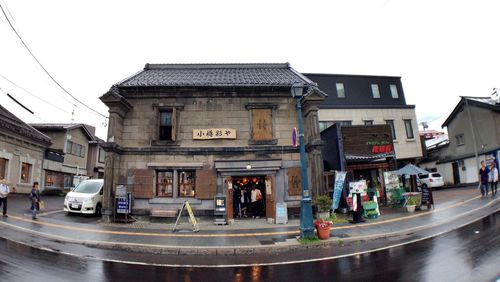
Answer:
(25, 173)
(409, 129)
(394, 91)
(343, 122)
(390, 122)
(166, 125)
(368, 122)
(324, 125)
(375, 91)
(262, 125)
(187, 183)
(165, 184)
(102, 155)
(460, 139)
(68, 181)
(340, 90)
(3, 168)
(75, 149)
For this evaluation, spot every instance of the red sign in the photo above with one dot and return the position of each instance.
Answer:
(377, 149)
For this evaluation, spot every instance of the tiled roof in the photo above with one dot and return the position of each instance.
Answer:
(89, 130)
(350, 157)
(491, 103)
(215, 75)
(13, 124)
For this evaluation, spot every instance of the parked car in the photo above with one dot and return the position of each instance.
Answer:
(86, 198)
(433, 180)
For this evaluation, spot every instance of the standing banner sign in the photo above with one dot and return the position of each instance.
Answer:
(338, 186)
(191, 217)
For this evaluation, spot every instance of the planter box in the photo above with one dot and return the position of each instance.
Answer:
(410, 208)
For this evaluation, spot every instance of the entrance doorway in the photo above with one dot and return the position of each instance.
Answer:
(249, 196)
(456, 173)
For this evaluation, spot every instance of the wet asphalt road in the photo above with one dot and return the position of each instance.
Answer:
(471, 253)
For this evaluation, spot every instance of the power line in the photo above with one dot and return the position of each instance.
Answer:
(46, 102)
(43, 68)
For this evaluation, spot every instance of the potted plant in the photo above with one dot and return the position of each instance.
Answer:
(323, 228)
(410, 205)
(324, 204)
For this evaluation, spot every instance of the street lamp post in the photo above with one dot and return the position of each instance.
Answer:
(306, 219)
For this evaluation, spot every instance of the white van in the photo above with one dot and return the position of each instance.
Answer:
(86, 198)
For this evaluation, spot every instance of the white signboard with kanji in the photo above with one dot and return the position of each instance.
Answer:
(214, 133)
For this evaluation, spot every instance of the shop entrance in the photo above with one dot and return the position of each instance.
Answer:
(249, 196)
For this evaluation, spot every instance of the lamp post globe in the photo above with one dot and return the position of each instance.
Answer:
(306, 219)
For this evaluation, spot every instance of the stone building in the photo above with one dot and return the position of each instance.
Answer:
(22, 150)
(189, 132)
(67, 156)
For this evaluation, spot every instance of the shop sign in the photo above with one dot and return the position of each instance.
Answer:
(358, 187)
(214, 133)
(124, 204)
(294, 137)
(378, 147)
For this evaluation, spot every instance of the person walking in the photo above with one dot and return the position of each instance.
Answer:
(493, 178)
(483, 179)
(35, 200)
(4, 191)
(256, 198)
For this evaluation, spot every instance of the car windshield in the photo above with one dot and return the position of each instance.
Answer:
(89, 187)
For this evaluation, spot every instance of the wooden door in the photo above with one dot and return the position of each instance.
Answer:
(228, 187)
(270, 197)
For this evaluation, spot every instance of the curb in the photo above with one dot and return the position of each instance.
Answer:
(230, 251)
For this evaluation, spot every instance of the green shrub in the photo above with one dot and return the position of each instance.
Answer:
(324, 203)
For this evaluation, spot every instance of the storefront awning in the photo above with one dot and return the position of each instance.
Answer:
(371, 158)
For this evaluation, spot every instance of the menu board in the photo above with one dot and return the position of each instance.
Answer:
(391, 181)
(427, 196)
(358, 187)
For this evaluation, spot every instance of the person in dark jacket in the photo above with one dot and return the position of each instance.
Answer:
(483, 179)
(35, 200)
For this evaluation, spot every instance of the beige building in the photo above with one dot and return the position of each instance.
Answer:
(371, 100)
(22, 150)
(189, 132)
(67, 156)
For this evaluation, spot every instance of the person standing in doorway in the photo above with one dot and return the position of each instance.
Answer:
(4, 191)
(493, 178)
(483, 179)
(256, 198)
(236, 201)
(35, 200)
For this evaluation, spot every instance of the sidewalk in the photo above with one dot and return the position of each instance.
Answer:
(244, 237)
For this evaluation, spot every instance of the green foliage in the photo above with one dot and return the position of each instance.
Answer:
(412, 201)
(337, 219)
(324, 203)
(309, 240)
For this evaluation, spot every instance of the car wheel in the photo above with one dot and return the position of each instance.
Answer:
(98, 209)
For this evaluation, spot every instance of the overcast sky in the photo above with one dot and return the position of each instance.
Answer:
(441, 49)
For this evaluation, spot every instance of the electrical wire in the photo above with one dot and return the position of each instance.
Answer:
(43, 68)
(36, 96)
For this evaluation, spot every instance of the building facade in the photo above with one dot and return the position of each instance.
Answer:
(473, 128)
(190, 132)
(371, 100)
(67, 156)
(22, 150)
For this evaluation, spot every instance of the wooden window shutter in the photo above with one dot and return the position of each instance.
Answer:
(262, 125)
(206, 184)
(143, 187)
(294, 181)
(174, 124)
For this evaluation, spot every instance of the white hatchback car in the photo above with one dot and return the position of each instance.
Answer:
(86, 198)
(433, 180)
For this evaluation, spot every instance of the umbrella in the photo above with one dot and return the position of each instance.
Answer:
(410, 169)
